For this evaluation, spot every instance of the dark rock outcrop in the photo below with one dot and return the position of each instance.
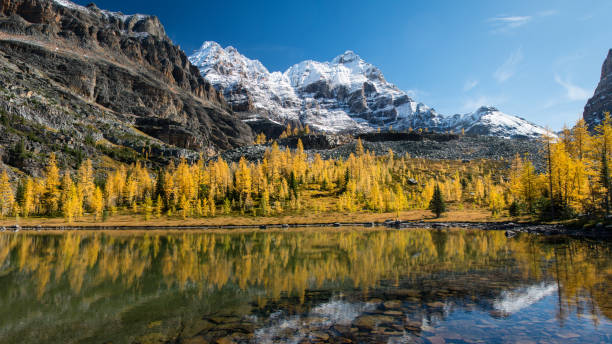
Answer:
(601, 101)
(260, 124)
(409, 136)
(118, 78)
(315, 141)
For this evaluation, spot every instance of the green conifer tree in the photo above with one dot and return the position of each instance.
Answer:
(437, 205)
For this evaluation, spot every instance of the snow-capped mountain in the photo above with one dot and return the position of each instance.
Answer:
(344, 95)
(488, 120)
(246, 84)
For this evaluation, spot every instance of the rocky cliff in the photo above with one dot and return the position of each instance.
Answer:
(81, 80)
(601, 101)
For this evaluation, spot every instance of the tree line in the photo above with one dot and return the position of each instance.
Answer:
(576, 180)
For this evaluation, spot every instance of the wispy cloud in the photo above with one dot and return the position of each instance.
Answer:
(470, 84)
(507, 23)
(508, 68)
(472, 104)
(572, 92)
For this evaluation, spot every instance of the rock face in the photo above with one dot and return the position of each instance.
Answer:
(344, 95)
(81, 72)
(601, 101)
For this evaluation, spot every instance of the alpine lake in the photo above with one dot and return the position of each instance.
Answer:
(324, 285)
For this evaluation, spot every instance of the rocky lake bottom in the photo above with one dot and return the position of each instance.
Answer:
(323, 285)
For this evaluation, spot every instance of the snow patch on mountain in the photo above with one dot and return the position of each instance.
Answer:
(118, 15)
(346, 94)
(70, 4)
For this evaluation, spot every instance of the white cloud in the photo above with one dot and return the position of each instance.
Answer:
(507, 23)
(508, 68)
(513, 301)
(572, 92)
(470, 84)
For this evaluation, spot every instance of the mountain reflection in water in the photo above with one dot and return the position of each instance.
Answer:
(329, 285)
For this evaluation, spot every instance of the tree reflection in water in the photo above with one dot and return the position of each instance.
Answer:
(152, 286)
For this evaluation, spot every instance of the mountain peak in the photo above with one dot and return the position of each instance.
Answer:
(606, 69)
(346, 57)
(231, 50)
(209, 46)
(486, 108)
(601, 101)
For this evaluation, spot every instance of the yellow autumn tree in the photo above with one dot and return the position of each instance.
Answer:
(51, 197)
(97, 203)
(70, 201)
(28, 204)
(85, 185)
(7, 197)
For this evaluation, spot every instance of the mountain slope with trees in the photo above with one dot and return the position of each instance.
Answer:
(81, 81)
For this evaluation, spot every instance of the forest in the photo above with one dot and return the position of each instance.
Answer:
(575, 181)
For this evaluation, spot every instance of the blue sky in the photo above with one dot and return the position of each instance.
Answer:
(537, 59)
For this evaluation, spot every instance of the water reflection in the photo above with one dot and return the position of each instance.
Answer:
(315, 285)
(513, 301)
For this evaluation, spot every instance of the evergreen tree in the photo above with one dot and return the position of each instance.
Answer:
(347, 178)
(293, 184)
(18, 154)
(437, 205)
(514, 209)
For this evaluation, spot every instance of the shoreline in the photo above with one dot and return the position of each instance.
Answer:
(511, 228)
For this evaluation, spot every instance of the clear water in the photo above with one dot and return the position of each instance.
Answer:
(297, 286)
